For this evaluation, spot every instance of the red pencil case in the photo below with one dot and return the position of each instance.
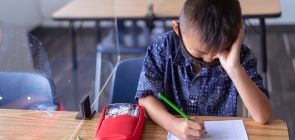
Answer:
(124, 126)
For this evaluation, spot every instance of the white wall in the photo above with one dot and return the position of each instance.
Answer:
(48, 7)
(288, 14)
(32, 13)
(22, 13)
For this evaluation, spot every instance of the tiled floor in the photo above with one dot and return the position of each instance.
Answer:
(73, 85)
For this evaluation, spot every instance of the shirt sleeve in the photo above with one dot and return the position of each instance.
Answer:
(249, 62)
(151, 77)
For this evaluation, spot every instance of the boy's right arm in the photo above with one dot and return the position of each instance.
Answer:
(179, 127)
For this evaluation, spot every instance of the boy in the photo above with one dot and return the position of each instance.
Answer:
(202, 66)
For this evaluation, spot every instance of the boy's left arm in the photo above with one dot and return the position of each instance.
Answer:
(254, 99)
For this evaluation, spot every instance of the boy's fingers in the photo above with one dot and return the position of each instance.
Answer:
(240, 35)
(195, 134)
(196, 124)
(197, 120)
(237, 44)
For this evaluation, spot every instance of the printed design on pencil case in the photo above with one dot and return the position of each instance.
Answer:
(121, 109)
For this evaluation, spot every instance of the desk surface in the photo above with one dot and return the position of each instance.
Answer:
(101, 9)
(250, 8)
(130, 9)
(24, 124)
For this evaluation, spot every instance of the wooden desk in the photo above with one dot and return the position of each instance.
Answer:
(98, 10)
(24, 124)
(128, 9)
(250, 8)
(102, 10)
(162, 9)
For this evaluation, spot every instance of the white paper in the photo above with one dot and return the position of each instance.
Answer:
(222, 130)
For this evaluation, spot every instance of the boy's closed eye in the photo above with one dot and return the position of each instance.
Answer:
(228, 48)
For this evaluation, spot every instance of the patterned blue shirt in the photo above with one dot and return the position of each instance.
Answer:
(211, 92)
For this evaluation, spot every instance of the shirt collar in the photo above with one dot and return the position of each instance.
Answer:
(179, 58)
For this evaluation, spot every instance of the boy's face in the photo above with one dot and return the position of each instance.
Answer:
(194, 48)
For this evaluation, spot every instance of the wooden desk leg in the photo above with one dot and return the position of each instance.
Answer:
(263, 45)
(74, 45)
(98, 32)
(97, 82)
(134, 33)
(263, 49)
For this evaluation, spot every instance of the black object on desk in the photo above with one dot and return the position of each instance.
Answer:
(85, 109)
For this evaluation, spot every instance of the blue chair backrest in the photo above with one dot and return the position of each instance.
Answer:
(16, 85)
(125, 81)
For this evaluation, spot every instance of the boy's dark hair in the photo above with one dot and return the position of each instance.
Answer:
(217, 22)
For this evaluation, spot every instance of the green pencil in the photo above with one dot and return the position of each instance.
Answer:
(177, 109)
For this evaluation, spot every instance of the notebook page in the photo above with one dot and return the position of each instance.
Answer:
(222, 130)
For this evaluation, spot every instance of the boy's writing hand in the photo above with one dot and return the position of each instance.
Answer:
(187, 129)
(230, 58)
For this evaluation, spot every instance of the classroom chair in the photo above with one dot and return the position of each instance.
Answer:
(125, 81)
(104, 70)
(115, 48)
(22, 90)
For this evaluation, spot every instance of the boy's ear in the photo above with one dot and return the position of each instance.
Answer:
(175, 25)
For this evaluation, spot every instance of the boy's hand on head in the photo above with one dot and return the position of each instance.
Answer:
(230, 58)
(187, 129)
